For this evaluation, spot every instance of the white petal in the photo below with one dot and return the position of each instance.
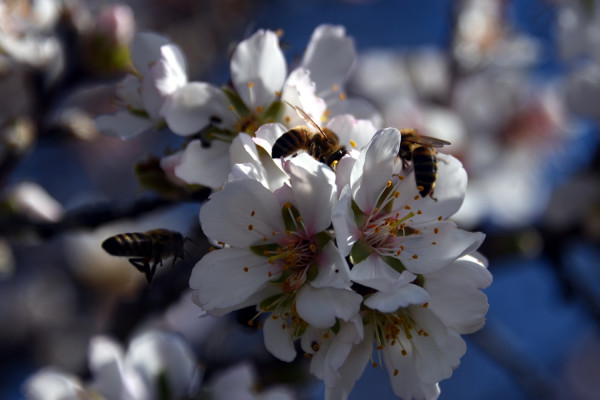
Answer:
(359, 108)
(225, 278)
(320, 307)
(207, 166)
(128, 90)
(169, 73)
(278, 340)
(53, 384)
(403, 375)
(122, 124)
(346, 231)
(269, 133)
(242, 214)
(375, 273)
(374, 168)
(145, 50)
(352, 132)
(333, 269)
(299, 90)
(456, 297)
(105, 360)
(194, 106)
(329, 56)
(258, 62)
(402, 296)
(314, 190)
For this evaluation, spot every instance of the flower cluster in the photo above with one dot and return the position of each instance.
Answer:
(348, 254)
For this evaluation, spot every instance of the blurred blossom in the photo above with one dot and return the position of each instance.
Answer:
(484, 38)
(33, 201)
(582, 89)
(578, 28)
(117, 23)
(54, 384)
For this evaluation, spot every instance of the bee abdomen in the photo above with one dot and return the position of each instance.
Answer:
(128, 244)
(288, 143)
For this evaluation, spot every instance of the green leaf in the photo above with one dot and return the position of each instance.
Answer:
(395, 263)
(236, 101)
(360, 251)
(290, 215)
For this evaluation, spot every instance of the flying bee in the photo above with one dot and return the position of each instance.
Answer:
(146, 248)
(420, 150)
(321, 143)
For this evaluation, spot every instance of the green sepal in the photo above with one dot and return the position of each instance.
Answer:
(267, 304)
(336, 327)
(236, 101)
(290, 215)
(162, 384)
(273, 112)
(321, 239)
(312, 272)
(138, 113)
(151, 176)
(360, 251)
(261, 249)
(359, 217)
(394, 263)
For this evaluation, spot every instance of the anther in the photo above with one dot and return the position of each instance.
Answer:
(250, 227)
(352, 143)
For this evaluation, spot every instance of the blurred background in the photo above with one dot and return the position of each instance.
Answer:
(513, 85)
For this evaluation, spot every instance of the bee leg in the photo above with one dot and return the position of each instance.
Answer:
(143, 266)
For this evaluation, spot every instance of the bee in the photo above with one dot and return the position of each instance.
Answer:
(420, 150)
(321, 143)
(146, 248)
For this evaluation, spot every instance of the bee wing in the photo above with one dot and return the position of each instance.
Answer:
(306, 118)
(425, 140)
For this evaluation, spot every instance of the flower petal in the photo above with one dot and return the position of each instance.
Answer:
(401, 296)
(329, 56)
(242, 214)
(375, 273)
(225, 278)
(145, 50)
(299, 90)
(374, 168)
(333, 269)
(204, 166)
(258, 69)
(122, 124)
(321, 306)
(346, 230)
(278, 339)
(195, 106)
(352, 132)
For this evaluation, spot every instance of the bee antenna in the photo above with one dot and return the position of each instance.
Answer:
(306, 118)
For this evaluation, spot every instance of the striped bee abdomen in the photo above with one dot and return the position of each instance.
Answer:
(134, 244)
(425, 167)
(288, 143)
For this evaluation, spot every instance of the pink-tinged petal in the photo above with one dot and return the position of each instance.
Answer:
(128, 90)
(258, 69)
(401, 296)
(313, 186)
(456, 296)
(374, 168)
(353, 133)
(145, 50)
(375, 273)
(195, 106)
(321, 306)
(299, 90)
(242, 214)
(278, 339)
(437, 245)
(346, 230)
(207, 166)
(343, 170)
(403, 375)
(360, 108)
(227, 277)
(329, 56)
(333, 269)
(122, 124)
(439, 353)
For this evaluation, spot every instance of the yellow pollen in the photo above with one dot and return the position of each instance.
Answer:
(416, 197)
(211, 248)
(425, 334)
(407, 207)
(287, 204)
(374, 365)
(403, 352)
(401, 177)
(416, 232)
(342, 96)
(415, 256)
(273, 233)
(419, 212)
(260, 325)
(283, 327)
(352, 143)
(287, 119)
(251, 322)
(231, 108)
(434, 243)
(270, 274)
(313, 248)
(252, 213)
(380, 347)
(245, 269)
(259, 109)
(250, 85)
(436, 231)
(279, 32)
(264, 238)
(420, 332)
(250, 227)
(274, 316)
(299, 218)
(396, 194)
(421, 188)
(395, 372)
(326, 335)
(376, 210)
(426, 304)
(389, 183)
(440, 218)
(335, 87)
